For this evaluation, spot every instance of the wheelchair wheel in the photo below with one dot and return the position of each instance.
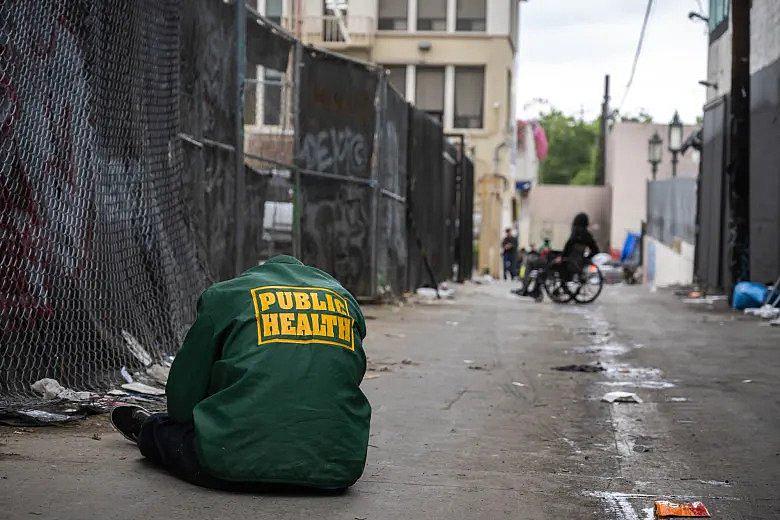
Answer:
(586, 285)
(555, 287)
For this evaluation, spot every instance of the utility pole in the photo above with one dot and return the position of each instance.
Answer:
(602, 165)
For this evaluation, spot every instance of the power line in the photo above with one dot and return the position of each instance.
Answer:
(638, 52)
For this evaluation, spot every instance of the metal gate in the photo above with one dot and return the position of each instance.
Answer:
(711, 236)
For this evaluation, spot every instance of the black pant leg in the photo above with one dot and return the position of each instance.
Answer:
(171, 444)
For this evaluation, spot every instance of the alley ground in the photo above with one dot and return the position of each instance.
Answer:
(479, 426)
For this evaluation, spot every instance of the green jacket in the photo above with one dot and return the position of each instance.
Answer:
(270, 374)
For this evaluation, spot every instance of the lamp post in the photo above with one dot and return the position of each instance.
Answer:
(654, 151)
(675, 140)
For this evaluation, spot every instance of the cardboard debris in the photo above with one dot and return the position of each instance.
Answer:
(621, 397)
(667, 509)
(143, 389)
(159, 373)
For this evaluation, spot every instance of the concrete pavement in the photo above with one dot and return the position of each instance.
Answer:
(479, 426)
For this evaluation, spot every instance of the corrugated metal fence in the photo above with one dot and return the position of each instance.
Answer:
(671, 210)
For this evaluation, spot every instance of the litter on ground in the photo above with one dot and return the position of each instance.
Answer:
(49, 388)
(126, 375)
(159, 373)
(143, 389)
(621, 397)
(136, 349)
(667, 509)
(580, 368)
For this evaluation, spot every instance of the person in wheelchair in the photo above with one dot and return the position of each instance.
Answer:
(580, 246)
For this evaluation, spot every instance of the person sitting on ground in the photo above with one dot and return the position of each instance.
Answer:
(265, 388)
(581, 245)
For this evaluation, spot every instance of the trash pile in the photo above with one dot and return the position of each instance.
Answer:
(752, 298)
(431, 295)
(611, 270)
(59, 404)
(756, 299)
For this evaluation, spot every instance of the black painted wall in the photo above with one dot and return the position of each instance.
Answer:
(765, 173)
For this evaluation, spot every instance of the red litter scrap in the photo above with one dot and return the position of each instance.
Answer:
(667, 509)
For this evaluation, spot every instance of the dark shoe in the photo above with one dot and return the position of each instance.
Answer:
(127, 419)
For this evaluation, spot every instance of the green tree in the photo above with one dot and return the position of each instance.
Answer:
(573, 152)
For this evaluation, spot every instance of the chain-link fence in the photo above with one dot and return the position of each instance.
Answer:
(151, 147)
(96, 254)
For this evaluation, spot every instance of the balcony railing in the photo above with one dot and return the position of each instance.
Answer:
(339, 32)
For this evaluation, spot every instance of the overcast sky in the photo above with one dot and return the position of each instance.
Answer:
(567, 46)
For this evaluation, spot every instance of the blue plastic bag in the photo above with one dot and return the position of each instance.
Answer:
(748, 295)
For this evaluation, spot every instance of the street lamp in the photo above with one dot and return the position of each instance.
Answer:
(654, 151)
(675, 140)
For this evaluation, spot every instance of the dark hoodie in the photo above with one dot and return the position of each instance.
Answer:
(580, 239)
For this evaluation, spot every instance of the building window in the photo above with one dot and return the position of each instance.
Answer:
(392, 15)
(396, 74)
(432, 15)
(469, 96)
(470, 15)
(718, 18)
(272, 97)
(429, 91)
(334, 20)
(273, 11)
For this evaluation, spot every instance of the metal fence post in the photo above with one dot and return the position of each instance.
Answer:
(296, 115)
(240, 191)
(380, 103)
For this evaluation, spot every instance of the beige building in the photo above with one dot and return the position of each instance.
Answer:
(552, 207)
(451, 58)
(627, 173)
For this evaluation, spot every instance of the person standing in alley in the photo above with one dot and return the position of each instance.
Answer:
(265, 388)
(509, 254)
